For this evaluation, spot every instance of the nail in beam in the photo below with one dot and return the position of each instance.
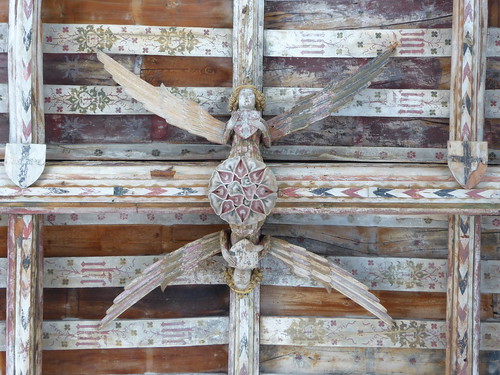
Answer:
(248, 31)
(468, 166)
(25, 257)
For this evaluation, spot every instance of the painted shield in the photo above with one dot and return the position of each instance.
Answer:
(467, 162)
(24, 162)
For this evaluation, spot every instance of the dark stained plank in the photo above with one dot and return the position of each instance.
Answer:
(109, 240)
(80, 69)
(345, 14)
(367, 241)
(3, 239)
(4, 127)
(489, 362)
(112, 129)
(136, 361)
(374, 131)
(177, 301)
(179, 71)
(493, 13)
(400, 73)
(276, 301)
(193, 13)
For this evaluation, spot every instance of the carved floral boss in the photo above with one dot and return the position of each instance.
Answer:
(242, 189)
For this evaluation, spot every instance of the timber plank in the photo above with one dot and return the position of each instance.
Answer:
(136, 361)
(323, 14)
(183, 71)
(102, 240)
(175, 302)
(399, 73)
(80, 69)
(193, 13)
(298, 301)
(354, 361)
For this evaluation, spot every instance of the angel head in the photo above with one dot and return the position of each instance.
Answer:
(247, 97)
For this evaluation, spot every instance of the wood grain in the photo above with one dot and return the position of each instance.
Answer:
(353, 361)
(103, 240)
(277, 301)
(318, 14)
(136, 361)
(212, 13)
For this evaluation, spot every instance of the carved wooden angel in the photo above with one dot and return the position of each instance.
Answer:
(242, 189)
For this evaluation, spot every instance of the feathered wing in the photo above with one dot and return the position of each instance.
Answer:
(312, 266)
(315, 107)
(165, 270)
(183, 113)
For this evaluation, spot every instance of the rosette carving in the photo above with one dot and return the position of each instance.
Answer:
(242, 191)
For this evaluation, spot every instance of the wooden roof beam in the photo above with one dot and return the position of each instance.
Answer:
(467, 159)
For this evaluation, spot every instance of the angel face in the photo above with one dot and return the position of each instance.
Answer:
(246, 99)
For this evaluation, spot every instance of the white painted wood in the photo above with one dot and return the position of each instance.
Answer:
(111, 100)
(24, 162)
(308, 43)
(396, 274)
(362, 333)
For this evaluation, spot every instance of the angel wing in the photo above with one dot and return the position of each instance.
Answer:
(183, 113)
(165, 270)
(317, 106)
(309, 265)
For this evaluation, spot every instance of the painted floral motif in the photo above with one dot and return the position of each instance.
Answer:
(86, 99)
(242, 191)
(410, 334)
(90, 39)
(177, 41)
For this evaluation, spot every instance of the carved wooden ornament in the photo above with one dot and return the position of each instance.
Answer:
(242, 191)
(24, 162)
(468, 161)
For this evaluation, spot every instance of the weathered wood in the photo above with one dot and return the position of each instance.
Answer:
(24, 295)
(119, 186)
(293, 360)
(463, 321)
(467, 153)
(382, 14)
(25, 152)
(161, 272)
(328, 332)
(392, 274)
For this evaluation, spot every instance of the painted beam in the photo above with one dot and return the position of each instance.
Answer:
(119, 187)
(467, 153)
(24, 296)
(463, 325)
(382, 273)
(244, 310)
(217, 42)
(112, 100)
(298, 331)
(170, 151)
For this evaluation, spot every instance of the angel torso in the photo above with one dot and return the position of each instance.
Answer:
(245, 123)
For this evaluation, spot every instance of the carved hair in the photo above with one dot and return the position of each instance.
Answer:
(260, 99)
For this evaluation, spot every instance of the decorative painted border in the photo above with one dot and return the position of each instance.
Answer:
(365, 333)
(192, 41)
(362, 333)
(112, 100)
(396, 274)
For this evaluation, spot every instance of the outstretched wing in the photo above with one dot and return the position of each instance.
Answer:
(312, 266)
(317, 106)
(183, 113)
(164, 271)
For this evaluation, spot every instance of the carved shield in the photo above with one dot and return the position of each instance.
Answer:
(24, 162)
(467, 162)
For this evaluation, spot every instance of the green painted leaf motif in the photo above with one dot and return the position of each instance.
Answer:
(411, 335)
(90, 39)
(85, 100)
(176, 40)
